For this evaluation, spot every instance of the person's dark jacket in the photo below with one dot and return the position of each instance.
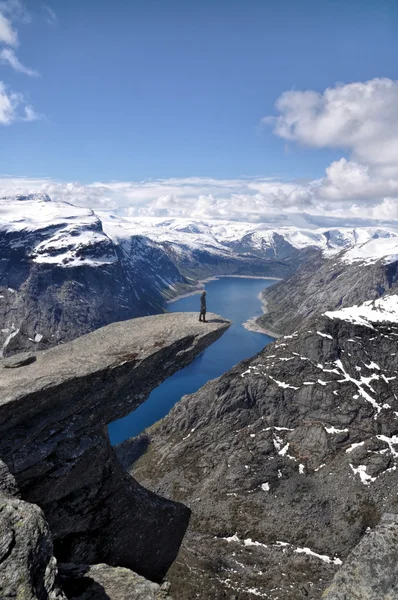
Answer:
(203, 302)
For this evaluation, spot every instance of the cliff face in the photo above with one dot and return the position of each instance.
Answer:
(54, 409)
(44, 303)
(324, 284)
(285, 461)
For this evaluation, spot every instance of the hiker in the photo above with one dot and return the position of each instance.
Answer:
(203, 307)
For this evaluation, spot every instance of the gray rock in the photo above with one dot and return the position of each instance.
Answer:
(370, 571)
(8, 485)
(28, 569)
(102, 582)
(53, 437)
(322, 284)
(285, 462)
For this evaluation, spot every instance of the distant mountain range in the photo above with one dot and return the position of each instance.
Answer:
(66, 270)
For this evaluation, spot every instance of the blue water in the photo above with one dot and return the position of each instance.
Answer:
(233, 298)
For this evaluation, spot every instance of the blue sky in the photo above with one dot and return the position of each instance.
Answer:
(131, 90)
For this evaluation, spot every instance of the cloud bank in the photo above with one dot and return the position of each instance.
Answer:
(359, 118)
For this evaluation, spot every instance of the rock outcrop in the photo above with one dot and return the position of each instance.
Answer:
(54, 409)
(102, 582)
(320, 285)
(285, 461)
(28, 568)
(370, 571)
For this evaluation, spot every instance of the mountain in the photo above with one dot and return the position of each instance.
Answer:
(65, 270)
(61, 275)
(286, 461)
(365, 271)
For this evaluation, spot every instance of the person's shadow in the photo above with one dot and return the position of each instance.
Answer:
(216, 321)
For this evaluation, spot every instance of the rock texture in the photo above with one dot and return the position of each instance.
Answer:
(285, 462)
(28, 568)
(370, 571)
(44, 304)
(320, 285)
(102, 582)
(53, 417)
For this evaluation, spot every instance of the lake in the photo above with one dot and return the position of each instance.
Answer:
(234, 298)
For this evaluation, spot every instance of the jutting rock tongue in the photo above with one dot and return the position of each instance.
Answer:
(53, 417)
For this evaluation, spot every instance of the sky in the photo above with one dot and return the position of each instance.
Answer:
(234, 109)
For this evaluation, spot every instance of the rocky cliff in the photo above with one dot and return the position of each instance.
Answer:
(286, 461)
(54, 409)
(321, 284)
(61, 276)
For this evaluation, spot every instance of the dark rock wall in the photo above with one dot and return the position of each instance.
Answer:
(53, 417)
(285, 462)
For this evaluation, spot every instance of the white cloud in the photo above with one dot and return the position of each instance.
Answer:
(51, 17)
(8, 105)
(346, 192)
(8, 35)
(360, 117)
(15, 10)
(8, 57)
(12, 104)
(13, 107)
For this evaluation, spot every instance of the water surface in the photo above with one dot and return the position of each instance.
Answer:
(235, 299)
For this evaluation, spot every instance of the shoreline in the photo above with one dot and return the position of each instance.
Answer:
(198, 287)
(252, 324)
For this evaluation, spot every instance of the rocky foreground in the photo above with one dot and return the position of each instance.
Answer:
(286, 462)
(60, 474)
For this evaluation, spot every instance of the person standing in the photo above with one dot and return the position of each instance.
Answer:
(203, 307)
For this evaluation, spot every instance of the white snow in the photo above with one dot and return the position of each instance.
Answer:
(373, 250)
(62, 231)
(333, 429)
(382, 310)
(284, 545)
(325, 335)
(323, 557)
(361, 471)
(353, 446)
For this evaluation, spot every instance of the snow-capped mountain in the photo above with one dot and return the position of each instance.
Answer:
(66, 270)
(61, 275)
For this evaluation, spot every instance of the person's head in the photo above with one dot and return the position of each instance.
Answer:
(204, 293)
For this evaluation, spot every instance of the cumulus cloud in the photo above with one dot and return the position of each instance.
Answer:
(337, 196)
(8, 35)
(360, 117)
(8, 57)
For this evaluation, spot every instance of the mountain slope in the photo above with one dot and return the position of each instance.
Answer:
(364, 272)
(65, 271)
(285, 461)
(62, 276)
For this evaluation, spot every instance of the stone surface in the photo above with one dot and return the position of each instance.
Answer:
(370, 571)
(102, 582)
(28, 569)
(20, 360)
(285, 462)
(53, 418)
(320, 285)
